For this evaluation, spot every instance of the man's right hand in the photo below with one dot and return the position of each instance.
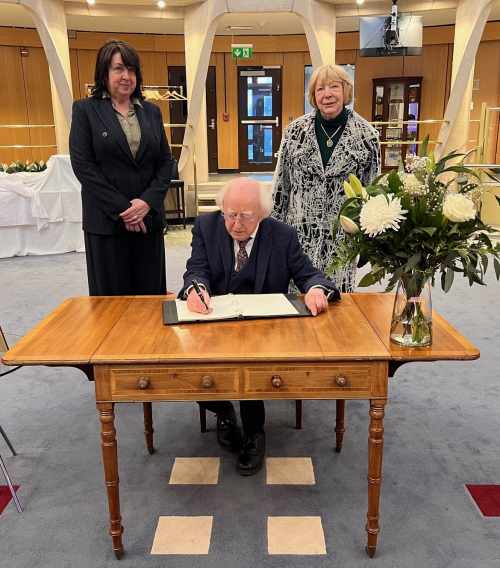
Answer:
(195, 304)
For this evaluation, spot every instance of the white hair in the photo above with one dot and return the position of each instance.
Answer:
(265, 194)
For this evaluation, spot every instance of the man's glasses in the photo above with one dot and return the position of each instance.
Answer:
(244, 217)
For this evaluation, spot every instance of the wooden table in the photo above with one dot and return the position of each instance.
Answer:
(122, 344)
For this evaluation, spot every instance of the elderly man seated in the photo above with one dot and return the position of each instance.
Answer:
(241, 250)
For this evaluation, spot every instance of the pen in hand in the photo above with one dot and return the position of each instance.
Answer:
(199, 292)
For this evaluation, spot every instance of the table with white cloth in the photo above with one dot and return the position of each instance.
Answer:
(41, 212)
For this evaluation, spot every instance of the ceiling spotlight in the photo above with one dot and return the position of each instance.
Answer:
(360, 2)
(90, 2)
(161, 4)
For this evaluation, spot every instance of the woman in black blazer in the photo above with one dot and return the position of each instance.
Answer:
(121, 157)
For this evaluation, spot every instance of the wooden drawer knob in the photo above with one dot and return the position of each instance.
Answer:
(341, 381)
(207, 382)
(276, 381)
(143, 383)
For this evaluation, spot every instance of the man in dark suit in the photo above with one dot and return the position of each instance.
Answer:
(240, 250)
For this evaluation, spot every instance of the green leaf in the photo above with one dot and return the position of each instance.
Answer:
(429, 230)
(496, 264)
(422, 150)
(413, 261)
(371, 278)
(448, 280)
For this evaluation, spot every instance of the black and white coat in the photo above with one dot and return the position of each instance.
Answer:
(308, 196)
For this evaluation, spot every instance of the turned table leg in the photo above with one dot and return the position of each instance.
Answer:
(375, 451)
(110, 462)
(339, 425)
(148, 426)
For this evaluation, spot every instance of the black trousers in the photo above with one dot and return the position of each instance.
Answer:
(128, 263)
(253, 413)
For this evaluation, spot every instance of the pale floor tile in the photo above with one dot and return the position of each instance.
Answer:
(195, 471)
(182, 535)
(289, 471)
(295, 535)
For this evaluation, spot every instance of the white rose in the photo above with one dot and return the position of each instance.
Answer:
(458, 208)
(348, 225)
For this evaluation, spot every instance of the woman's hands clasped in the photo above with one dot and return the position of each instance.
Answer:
(133, 217)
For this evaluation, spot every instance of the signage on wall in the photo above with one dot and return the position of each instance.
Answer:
(242, 50)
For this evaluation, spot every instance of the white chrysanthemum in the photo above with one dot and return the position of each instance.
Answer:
(458, 208)
(413, 186)
(381, 213)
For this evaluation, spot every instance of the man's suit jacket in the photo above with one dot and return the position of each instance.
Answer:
(109, 174)
(280, 259)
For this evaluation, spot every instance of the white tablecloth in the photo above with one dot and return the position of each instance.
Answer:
(41, 213)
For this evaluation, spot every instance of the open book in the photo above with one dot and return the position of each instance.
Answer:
(237, 306)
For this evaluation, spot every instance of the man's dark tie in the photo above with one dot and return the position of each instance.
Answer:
(241, 256)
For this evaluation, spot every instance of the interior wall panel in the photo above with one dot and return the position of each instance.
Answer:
(39, 102)
(13, 108)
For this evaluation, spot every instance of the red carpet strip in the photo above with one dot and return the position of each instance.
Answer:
(487, 498)
(5, 496)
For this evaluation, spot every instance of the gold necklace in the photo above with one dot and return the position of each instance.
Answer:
(329, 141)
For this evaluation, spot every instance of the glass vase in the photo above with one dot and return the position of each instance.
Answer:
(411, 324)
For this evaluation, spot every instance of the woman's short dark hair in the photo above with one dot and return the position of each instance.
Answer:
(130, 58)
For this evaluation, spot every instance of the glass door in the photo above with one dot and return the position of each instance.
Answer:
(259, 118)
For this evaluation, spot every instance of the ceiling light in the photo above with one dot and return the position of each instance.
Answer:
(90, 2)
(360, 2)
(161, 4)
(239, 28)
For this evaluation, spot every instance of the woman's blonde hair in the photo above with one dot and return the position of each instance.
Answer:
(327, 74)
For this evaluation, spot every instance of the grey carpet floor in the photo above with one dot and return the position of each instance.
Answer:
(441, 431)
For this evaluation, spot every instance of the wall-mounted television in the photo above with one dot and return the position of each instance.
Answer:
(381, 36)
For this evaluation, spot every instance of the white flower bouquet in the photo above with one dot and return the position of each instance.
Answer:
(414, 223)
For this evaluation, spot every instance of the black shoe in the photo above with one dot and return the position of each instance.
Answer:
(228, 431)
(252, 454)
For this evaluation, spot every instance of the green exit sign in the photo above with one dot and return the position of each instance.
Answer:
(242, 50)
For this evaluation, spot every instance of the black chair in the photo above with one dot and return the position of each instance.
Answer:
(178, 186)
(3, 348)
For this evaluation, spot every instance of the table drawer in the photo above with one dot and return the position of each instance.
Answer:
(174, 382)
(311, 380)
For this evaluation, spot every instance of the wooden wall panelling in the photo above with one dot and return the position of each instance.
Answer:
(261, 59)
(39, 102)
(19, 37)
(487, 81)
(262, 44)
(292, 87)
(227, 107)
(345, 57)
(155, 72)
(432, 67)
(94, 40)
(86, 69)
(175, 58)
(13, 108)
(75, 82)
(367, 69)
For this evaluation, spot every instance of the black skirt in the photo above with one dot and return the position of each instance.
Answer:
(126, 264)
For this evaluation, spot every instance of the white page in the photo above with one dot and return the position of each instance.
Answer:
(260, 305)
(223, 307)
